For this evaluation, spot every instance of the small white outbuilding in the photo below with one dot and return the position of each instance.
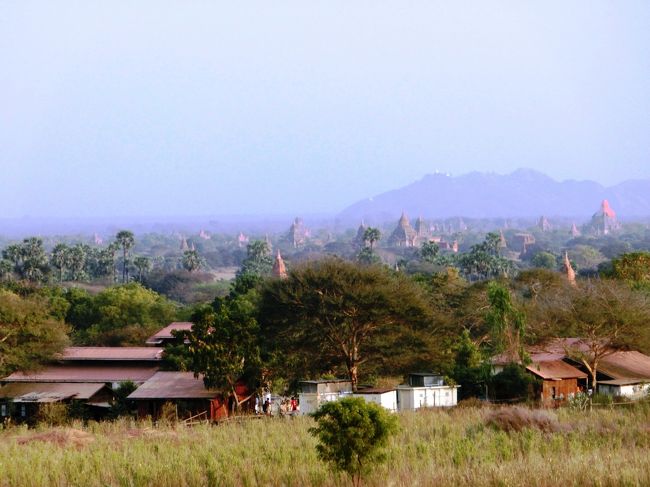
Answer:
(386, 398)
(316, 392)
(425, 390)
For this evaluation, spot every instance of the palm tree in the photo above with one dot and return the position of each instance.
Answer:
(126, 240)
(371, 235)
(143, 264)
(60, 259)
(191, 260)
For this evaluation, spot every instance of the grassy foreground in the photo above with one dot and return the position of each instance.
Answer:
(457, 447)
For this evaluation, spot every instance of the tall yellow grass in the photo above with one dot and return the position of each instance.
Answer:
(456, 447)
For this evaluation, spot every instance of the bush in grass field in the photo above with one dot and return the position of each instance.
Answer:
(352, 435)
(53, 414)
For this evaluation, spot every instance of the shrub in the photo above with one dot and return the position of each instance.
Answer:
(516, 418)
(53, 414)
(352, 435)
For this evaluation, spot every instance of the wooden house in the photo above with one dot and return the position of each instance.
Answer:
(560, 381)
(189, 396)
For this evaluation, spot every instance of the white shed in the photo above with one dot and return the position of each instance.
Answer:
(425, 391)
(386, 398)
(632, 388)
(315, 392)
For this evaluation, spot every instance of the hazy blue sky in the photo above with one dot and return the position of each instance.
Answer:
(201, 107)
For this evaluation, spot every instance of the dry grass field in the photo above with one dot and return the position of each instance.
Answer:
(458, 447)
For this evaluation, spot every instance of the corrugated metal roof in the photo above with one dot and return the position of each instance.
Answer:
(48, 391)
(173, 385)
(85, 373)
(625, 365)
(166, 333)
(623, 382)
(555, 369)
(111, 353)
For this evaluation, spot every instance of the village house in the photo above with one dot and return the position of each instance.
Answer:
(188, 395)
(619, 373)
(79, 374)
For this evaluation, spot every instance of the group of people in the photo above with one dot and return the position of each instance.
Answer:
(282, 407)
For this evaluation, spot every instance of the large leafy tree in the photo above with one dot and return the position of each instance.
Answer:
(483, 260)
(633, 268)
(224, 347)
(506, 322)
(29, 334)
(119, 315)
(334, 312)
(126, 241)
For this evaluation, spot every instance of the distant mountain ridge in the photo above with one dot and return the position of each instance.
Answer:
(523, 193)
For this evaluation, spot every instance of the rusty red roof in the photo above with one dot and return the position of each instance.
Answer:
(85, 373)
(166, 333)
(49, 391)
(173, 385)
(555, 370)
(111, 353)
(625, 365)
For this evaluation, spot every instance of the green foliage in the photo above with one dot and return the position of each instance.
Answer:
(258, 262)
(633, 268)
(332, 312)
(29, 334)
(470, 370)
(507, 324)
(126, 240)
(544, 260)
(119, 315)
(429, 252)
(191, 260)
(352, 435)
(123, 406)
(224, 344)
(513, 383)
(367, 256)
(483, 260)
(370, 236)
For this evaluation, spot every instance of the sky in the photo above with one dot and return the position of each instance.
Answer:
(171, 108)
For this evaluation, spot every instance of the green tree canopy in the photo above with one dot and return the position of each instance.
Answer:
(334, 311)
(120, 315)
(29, 334)
(258, 262)
(224, 345)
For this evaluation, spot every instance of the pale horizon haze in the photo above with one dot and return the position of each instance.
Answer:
(198, 108)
